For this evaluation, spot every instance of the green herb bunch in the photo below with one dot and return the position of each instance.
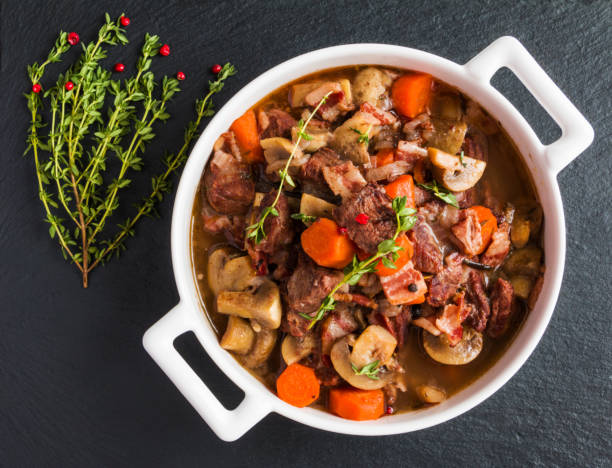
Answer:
(85, 118)
(387, 253)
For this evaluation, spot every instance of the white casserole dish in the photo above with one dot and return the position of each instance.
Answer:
(473, 79)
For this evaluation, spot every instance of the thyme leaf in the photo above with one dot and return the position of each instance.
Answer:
(441, 193)
(370, 370)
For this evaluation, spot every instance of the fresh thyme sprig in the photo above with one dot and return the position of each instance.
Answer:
(306, 219)
(364, 137)
(370, 370)
(441, 193)
(405, 220)
(461, 159)
(73, 181)
(256, 231)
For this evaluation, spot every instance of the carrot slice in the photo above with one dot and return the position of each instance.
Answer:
(298, 385)
(358, 405)
(420, 175)
(403, 186)
(326, 245)
(383, 157)
(411, 93)
(488, 224)
(404, 257)
(247, 137)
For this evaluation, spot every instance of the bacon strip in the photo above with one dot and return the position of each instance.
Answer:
(397, 287)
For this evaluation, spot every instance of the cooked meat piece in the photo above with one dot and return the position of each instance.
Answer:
(404, 286)
(384, 117)
(427, 253)
(450, 319)
(343, 179)
(501, 308)
(275, 123)
(327, 376)
(413, 129)
(354, 298)
(312, 171)
(474, 149)
(444, 285)
(480, 302)
(309, 284)
(229, 184)
(229, 225)
(294, 324)
(430, 211)
(466, 198)
(339, 323)
(388, 172)
(373, 202)
(369, 284)
(279, 229)
(499, 247)
(467, 233)
(422, 196)
(410, 152)
(388, 309)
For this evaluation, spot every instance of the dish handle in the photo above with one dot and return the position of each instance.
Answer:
(159, 343)
(576, 132)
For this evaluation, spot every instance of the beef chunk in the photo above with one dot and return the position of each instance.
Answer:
(344, 179)
(444, 285)
(372, 201)
(467, 233)
(275, 123)
(327, 376)
(427, 253)
(229, 184)
(422, 196)
(480, 302)
(279, 229)
(312, 171)
(336, 325)
(294, 324)
(309, 284)
(499, 247)
(501, 308)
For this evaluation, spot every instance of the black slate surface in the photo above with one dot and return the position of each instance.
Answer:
(78, 389)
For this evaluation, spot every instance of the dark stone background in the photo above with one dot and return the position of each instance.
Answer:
(78, 389)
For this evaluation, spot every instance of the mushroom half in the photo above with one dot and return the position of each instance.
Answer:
(455, 173)
(440, 350)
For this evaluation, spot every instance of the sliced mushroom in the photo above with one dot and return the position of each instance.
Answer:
(319, 137)
(230, 274)
(525, 261)
(264, 344)
(451, 173)
(430, 394)
(293, 350)
(314, 206)
(262, 305)
(346, 137)
(340, 358)
(216, 261)
(238, 336)
(439, 348)
(374, 344)
(447, 135)
(278, 148)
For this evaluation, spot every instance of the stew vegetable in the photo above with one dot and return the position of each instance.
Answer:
(366, 240)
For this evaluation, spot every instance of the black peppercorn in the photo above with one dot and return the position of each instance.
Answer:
(412, 287)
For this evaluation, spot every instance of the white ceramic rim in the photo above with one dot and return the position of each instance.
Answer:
(473, 79)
